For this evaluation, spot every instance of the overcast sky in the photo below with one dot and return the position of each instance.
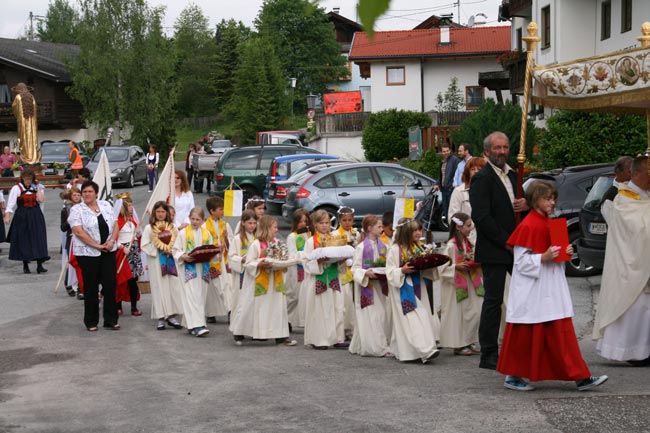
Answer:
(404, 14)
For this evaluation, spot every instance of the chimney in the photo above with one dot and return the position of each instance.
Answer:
(445, 23)
(336, 10)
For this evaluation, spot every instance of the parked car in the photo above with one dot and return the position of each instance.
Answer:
(205, 163)
(573, 184)
(127, 164)
(220, 144)
(278, 190)
(368, 187)
(248, 167)
(593, 228)
(59, 152)
(283, 167)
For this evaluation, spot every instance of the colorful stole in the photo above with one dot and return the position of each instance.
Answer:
(215, 267)
(347, 278)
(385, 239)
(368, 258)
(408, 292)
(190, 268)
(167, 264)
(330, 276)
(300, 246)
(264, 278)
(242, 253)
(475, 274)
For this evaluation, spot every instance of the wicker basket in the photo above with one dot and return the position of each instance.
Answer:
(144, 287)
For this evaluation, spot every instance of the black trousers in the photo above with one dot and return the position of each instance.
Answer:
(494, 280)
(96, 271)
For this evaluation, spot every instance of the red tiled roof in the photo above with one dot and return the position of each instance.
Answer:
(418, 43)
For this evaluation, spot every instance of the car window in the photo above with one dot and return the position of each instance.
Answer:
(139, 153)
(391, 176)
(281, 168)
(113, 154)
(55, 149)
(585, 185)
(361, 176)
(268, 156)
(326, 182)
(592, 202)
(245, 160)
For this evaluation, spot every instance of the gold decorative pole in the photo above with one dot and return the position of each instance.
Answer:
(531, 40)
(645, 43)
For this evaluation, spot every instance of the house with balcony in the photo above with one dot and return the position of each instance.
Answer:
(41, 66)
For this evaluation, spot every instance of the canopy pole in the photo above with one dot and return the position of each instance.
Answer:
(531, 40)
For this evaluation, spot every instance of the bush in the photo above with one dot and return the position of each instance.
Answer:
(491, 117)
(429, 164)
(577, 138)
(385, 135)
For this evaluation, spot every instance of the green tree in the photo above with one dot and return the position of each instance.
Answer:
(304, 41)
(491, 117)
(258, 93)
(229, 36)
(123, 73)
(452, 99)
(385, 136)
(576, 138)
(60, 24)
(195, 49)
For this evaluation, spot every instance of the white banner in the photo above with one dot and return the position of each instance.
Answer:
(103, 178)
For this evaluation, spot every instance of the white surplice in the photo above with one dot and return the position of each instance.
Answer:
(263, 316)
(236, 257)
(194, 291)
(347, 289)
(373, 323)
(165, 290)
(414, 334)
(219, 297)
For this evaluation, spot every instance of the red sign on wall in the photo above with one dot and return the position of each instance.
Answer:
(342, 102)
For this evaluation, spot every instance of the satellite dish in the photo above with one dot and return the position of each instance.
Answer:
(481, 22)
(470, 22)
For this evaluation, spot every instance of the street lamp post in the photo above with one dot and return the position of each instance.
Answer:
(293, 87)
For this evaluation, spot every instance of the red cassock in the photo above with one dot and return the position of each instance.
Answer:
(77, 269)
(124, 274)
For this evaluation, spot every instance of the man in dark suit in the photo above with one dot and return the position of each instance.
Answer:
(622, 175)
(447, 171)
(492, 196)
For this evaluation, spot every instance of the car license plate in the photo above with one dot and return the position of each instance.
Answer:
(597, 228)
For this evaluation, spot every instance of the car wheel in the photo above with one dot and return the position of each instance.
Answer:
(334, 221)
(576, 267)
(131, 180)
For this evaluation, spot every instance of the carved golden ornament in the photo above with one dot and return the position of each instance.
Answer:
(164, 235)
(123, 195)
(334, 241)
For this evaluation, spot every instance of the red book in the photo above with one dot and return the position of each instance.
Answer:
(560, 238)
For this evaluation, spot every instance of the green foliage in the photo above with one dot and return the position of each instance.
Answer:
(491, 117)
(123, 73)
(258, 93)
(452, 99)
(60, 24)
(386, 134)
(576, 138)
(429, 164)
(304, 41)
(229, 36)
(369, 11)
(195, 48)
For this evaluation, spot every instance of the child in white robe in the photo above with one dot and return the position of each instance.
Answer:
(194, 277)
(461, 289)
(372, 304)
(163, 275)
(324, 300)
(296, 274)
(219, 297)
(346, 229)
(262, 307)
(414, 327)
(237, 254)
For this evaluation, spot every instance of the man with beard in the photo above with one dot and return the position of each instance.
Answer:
(492, 196)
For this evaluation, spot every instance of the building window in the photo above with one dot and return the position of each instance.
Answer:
(395, 76)
(474, 96)
(626, 15)
(518, 42)
(605, 20)
(546, 27)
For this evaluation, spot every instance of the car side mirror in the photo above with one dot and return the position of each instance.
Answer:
(417, 184)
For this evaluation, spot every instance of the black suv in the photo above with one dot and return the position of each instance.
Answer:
(593, 228)
(573, 184)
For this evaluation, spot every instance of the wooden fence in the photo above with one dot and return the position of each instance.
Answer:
(434, 136)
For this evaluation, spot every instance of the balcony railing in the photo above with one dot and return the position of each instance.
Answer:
(334, 123)
(517, 71)
(45, 112)
(520, 8)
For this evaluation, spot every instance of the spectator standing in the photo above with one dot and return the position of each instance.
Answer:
(459, 201)
(152, 159)
(447, 171)
(184, 202)
(7, 159)
(492, 198)
(189, 169)
(464, 155)
(76, 163)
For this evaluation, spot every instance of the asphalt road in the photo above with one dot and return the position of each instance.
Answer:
(57, 377)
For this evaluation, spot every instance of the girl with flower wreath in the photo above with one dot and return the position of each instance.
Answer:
(262, 307)
(415, 328)
(194, 277)
(237, 253)
(372, 303)
(345, 216)
(461, 289)
(157, 241)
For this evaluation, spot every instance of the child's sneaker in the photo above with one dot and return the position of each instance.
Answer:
(591, 382)
(517, 383)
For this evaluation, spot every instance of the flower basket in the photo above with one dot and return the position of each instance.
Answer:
(427, 261)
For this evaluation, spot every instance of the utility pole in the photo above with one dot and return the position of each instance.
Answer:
(31, 26)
